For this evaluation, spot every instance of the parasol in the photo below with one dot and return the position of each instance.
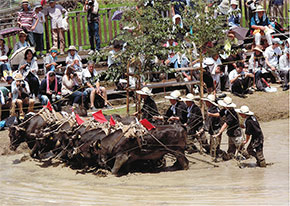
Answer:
(18, 55)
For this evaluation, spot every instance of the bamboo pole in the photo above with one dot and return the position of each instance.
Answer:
(201, 84)
(127, 89)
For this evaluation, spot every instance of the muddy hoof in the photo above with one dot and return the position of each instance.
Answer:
(262, 163)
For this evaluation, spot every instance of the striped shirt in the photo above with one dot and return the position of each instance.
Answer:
(25, 18)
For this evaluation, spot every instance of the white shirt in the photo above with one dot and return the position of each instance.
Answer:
(284, 63)
(173, 108)
(14, 89)
(39, 27)
(272, 55)
(257, 64)
(111, 60)
(56, 16)
(233, 74)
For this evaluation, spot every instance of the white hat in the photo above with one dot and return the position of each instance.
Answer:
(260, 8)
(226, 102)
(18, 77)
(72, 48)
(208, 62)
(244, 110)
(258, 49)
(174, 95)
(145, 91)
(235, 2)
(277, 41)
(190, 98)
(210, 98)
(3, 58)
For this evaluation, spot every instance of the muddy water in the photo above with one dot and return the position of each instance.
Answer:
(28, 183)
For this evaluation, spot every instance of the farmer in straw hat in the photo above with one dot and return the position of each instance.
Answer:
(149, 108)
(177, 110)
(253, 130)
(233, 127)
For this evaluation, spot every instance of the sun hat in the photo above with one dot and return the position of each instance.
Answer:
(190, 98)
(210, 98)
(22, 32)
(25, 2)
(174, 95)
(53, 49)
(3, 58)
(72, 48)
(260, 8)
(145, 91)
(18, 77)
(257, 48)
(208, 62)
(37, 6)
(244, 110)
(226, 102)
(276, 41)
(235, 2)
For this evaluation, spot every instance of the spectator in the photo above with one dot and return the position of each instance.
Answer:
(70, 83)
(22, 41)
(207, 78)
(234, 14)
(117, 46)
(260, 24)
(25, 21)
(28, 68)
(20, 96)
(173, 58)
(50, 60)
(9, 80)
(55, 12)
(74, 60)
(272, 54)
(277, 10)
(240, 81)
(50, 90)
(4, 50)
(177, 7)
(215, 71)
(284, 69)
(92, 7)
(252, 5)
(91, 81)
(5, 68)
(38, 31)
(5, 99)
(223, 8)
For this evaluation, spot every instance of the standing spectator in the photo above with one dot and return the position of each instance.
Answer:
(74, 60)
(28, 68)
(260, 25)
(92, 7)
(20, 95)
(4, 50)
(50, 60)
(25, 20)
(272, 54)
(234, 14)
(38, 31)
(55, 12)
(5, 99)
(22, 41)
(284, 69)
(277, 11)
(91, 81)
(5, 68)
(177, 7)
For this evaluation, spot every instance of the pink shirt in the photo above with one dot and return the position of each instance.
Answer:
(25, 18)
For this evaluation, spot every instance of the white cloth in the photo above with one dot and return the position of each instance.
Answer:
(2, 100)
(39, 29)
(272, 55)
(111, 56)
(284, 63)
(56, 16)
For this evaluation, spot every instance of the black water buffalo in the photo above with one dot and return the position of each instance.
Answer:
(152, 146)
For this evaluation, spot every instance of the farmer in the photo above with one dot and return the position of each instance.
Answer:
(149, 108)
(253, 130)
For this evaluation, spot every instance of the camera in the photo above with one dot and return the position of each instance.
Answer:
(243, 76)
(22, 84)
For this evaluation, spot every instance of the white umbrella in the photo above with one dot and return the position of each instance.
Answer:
(18, 55)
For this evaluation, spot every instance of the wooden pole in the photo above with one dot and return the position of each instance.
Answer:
(139, 87)
(127, 89)
(191, 72)
(201, 84)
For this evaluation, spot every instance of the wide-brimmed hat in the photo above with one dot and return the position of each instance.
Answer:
(277, 41)
(53, 48)
(226, 102)
(18, 77)
(72, 48)
(235, 2)
(260, 8)
(210, 98)
(22, 33)
(3, 58)
(257, 48)
(144, 91)
(190, 98)
(25, 2)
(174, 95)
(244, 110)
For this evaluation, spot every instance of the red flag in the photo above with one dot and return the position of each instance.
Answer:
(79, 120)
(112, 121)
(48, 106)
(99, 116)
(147, 124)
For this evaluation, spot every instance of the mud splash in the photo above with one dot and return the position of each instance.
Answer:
(27, 182)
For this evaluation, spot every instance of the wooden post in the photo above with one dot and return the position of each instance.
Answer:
(127, 89)
(201, 84)
(139, 87)
(191, 71)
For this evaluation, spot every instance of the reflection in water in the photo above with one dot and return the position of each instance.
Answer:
(29, 184)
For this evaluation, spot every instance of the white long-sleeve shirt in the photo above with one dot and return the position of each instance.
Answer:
(284, 63)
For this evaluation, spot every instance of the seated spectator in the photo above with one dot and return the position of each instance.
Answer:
(70, 83)
(240, 81)
(28, 68)
(284, 69)
(5, 99)
(234, 14)
(4, 50)
(22, 41)
(5, 68)
(20, 96)
(50, 90)
(50, 60)
(260, 25)
(173, 58)
(91, 81)
(272, 54)
(74, 60)
(117, 46)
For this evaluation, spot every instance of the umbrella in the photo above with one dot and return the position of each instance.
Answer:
(10, 31)
(18, 55)
(240, 32)
(117, 15)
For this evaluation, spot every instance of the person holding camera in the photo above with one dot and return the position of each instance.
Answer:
(28, 68)
(92, 7)
(240, 80)
(50, 90)
(20, 95)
